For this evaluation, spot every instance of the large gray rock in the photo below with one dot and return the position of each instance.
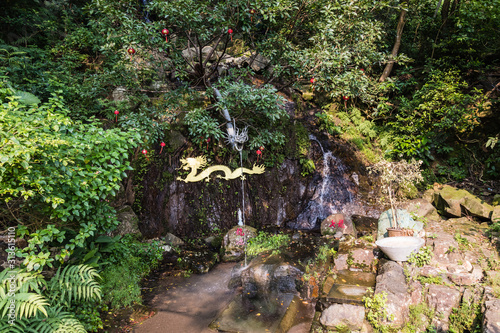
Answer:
(194, 53)
(348, 315)
(129, 222)
(404, 220)
(330, 226)
(392, 281)
(443, 300)
(173, 240)
(454, 202)
(422, 208)
(495, 216)
(491, 316)
(120, 94)
(265, 274)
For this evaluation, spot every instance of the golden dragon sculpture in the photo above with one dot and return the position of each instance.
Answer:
(195, 163)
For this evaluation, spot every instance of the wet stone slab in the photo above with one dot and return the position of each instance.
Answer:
(348, 287)
(253, 315)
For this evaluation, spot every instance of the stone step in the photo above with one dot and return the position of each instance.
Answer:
(347, 287)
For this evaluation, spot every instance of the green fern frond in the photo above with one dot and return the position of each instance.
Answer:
(58, 321)
(76, 282)
(24, 281)
(26, 291)
(17, 327)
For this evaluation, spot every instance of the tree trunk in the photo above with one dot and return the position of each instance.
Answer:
(397, 43)
(445, 11)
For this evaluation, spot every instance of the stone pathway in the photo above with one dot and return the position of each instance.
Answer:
(188, 305)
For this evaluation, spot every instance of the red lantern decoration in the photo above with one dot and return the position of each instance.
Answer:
(165, 33)
(116, 115)
(258, 155)
(345, 98)
(131, 51)
(208, 141)
(162, 145)
(252, 12)
(230, 32)
(312, 80)
(145, 152)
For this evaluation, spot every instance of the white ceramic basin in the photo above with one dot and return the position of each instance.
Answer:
(400, 248)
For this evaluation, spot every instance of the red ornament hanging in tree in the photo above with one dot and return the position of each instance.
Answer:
(116, 115)
(258, 155)
(345, 98)
(165, 33)
(252, 12)
(145, 152)
(162, 145)
(208, 141)
(312, 80)
(230, 32)
(131, 51)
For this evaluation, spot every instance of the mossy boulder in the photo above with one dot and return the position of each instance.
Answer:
(454, 202)
(234, 242)
(129, 222)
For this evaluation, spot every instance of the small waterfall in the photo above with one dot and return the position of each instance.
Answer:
(332, 191)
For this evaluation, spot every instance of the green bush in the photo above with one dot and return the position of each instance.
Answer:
(266, 242)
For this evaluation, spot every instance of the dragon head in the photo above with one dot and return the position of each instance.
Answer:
(193, 162)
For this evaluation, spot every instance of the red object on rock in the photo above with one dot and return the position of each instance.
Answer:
(165, 33)
(230, 32)
(116, 115)
(162, 145)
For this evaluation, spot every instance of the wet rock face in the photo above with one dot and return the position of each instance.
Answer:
(271, 199)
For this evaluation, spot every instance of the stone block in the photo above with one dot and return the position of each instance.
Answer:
(443, 300)
(348, 315)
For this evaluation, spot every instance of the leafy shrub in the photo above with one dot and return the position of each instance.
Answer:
(266, 242)
(422, 257)
(376, 313)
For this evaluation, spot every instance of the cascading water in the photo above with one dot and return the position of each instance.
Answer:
(332, 191)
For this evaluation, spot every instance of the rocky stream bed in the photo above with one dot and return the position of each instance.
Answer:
(304, 288)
